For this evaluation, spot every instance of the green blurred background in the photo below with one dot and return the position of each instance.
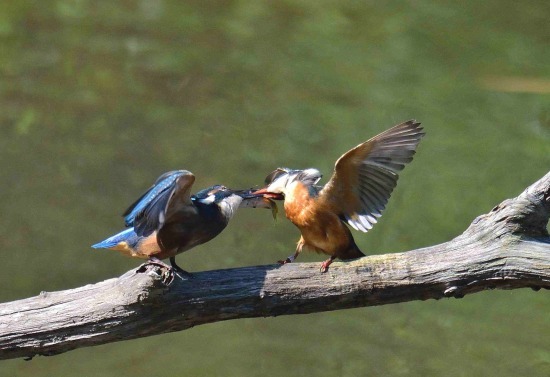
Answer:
(98, 98)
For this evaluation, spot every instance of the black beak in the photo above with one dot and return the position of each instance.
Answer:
(247, 194)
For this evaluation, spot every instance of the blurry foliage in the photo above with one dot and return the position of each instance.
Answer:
(98, 98)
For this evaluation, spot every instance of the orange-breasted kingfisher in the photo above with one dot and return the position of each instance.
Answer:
(356, 194)
(167, 220)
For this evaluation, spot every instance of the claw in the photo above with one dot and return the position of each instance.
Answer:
(158, 262)
(325, 264)
(287, 260)
(179, 270)
(169, 272)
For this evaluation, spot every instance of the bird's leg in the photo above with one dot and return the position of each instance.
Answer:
(178, 269)
(292, 257)
(325, 264)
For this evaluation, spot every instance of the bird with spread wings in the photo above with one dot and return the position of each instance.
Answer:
(356, 194)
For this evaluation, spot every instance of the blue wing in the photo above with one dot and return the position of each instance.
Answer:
(147, 213)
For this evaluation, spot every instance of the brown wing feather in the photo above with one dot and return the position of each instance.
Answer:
(180, 196)
(365, 176)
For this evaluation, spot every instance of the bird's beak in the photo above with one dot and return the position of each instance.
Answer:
(257, 199)
(268, 195)
(246, 194)
(251, 194)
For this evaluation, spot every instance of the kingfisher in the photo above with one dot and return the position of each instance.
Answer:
(167, 220)
(356, 194)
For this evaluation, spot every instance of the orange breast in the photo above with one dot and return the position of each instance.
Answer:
(321, 229)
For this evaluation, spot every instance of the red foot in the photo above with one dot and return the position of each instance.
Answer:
(325, 264)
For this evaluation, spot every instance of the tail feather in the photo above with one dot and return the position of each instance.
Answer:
(351, 253)
(125, 236)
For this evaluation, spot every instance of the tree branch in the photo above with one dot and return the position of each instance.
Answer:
(507, 248)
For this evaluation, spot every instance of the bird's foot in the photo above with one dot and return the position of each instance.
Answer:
(157, 262)
(289, 259)
(168, 272)
(179, 271)
(325, 264)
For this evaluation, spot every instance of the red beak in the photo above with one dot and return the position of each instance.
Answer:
(269, 195)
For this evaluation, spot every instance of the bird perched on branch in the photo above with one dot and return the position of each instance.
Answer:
(357, 193)
(167, 220)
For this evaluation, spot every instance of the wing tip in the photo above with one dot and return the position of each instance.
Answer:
(413, 124)
(361, 223)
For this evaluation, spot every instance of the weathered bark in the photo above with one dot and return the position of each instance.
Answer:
(507, 248)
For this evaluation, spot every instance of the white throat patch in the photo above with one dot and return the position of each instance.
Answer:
(209, 199)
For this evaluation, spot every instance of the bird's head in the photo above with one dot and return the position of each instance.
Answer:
(227, 200)
(217, 195)
(280, 180)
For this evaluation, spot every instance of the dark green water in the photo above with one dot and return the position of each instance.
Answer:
(98, 98)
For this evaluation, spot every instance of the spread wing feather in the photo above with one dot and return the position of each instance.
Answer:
(365, 176)
(149, 212)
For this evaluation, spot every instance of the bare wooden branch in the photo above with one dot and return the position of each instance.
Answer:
(507, 248)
